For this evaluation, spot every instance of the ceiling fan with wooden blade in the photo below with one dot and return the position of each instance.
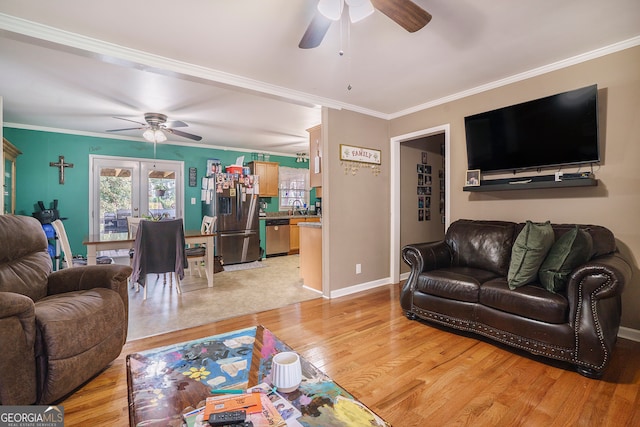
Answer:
(405, 13)
(155, 127)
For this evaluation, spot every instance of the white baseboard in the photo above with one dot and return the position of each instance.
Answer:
(404, 276)
(629, 334)
(311, 289)
(361, 287)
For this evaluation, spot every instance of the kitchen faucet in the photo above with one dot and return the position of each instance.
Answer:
(297, 203)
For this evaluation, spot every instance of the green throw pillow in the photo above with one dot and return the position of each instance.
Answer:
(529, 251)
(571, 250)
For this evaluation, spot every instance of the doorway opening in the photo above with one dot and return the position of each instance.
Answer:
(441, 214)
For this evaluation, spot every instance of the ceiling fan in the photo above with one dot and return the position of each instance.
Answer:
(405, 13)
(155, 127)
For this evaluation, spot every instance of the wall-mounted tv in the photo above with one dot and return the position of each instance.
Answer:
(558, 130)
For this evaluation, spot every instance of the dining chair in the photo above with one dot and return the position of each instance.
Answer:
(69, 261)
(197, 255)
(132, 229)
(132, 225)
(159, 248)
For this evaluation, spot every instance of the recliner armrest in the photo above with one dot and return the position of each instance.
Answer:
(111, 276)
(17, 359)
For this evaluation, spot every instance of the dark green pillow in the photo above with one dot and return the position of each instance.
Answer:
(571, 250)
(529, 251)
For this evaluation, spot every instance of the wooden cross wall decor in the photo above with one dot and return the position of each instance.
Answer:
(61, 165)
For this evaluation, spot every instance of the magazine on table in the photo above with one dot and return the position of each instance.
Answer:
(287, 411)
(261, 411)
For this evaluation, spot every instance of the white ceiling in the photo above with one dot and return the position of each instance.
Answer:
(233, 71)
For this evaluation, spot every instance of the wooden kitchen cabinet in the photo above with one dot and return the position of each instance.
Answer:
(315, 156)
(311, 256)
(294, 235)
(294, 232)
(268, 173)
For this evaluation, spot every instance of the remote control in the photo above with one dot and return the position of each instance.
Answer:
(227, 418)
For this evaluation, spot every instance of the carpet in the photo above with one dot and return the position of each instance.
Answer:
(234, 293)
(244, 266)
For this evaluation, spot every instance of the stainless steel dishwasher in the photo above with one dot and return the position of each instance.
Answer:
(277, 236)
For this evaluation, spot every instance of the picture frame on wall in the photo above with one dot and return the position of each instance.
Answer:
(473, 178)
(424, 158)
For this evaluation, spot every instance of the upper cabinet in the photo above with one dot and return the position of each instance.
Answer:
(9, 155)
(315, 156)
(268, 173)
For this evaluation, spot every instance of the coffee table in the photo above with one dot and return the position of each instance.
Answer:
(164, 383)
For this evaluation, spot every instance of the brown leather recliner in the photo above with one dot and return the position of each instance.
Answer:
(57, 329)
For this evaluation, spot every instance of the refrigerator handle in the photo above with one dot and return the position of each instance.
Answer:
(238, 202)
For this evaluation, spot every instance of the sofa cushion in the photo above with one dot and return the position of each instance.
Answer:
(483, 245)
(528, 301)
(571, 249)
(529, 251)
(457, 283)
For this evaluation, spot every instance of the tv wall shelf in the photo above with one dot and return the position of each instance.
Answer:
(529, 183)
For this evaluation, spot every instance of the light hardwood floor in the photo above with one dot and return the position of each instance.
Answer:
(410, 373)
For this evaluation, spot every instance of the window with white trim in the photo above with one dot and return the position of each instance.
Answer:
(293, 188)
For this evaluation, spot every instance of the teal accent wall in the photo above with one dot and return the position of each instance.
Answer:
(36, 180)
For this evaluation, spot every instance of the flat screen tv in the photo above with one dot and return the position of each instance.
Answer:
(558, 130)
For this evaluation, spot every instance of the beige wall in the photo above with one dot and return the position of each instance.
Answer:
(615, 203)
(356, 207)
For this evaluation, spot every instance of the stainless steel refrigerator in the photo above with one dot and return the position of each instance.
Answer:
(233, 199)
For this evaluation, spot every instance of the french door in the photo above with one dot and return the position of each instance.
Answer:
(122, 187)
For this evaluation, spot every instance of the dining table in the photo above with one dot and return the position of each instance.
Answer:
(103, 242)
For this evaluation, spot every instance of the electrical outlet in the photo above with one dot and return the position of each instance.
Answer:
(193, 200)
(358, 268)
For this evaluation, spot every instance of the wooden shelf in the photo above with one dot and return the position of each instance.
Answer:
(530, 183)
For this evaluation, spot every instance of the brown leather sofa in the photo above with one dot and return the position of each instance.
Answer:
(57, 329)
(461, 283)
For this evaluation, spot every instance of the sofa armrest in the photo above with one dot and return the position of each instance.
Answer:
(427, 256)
(595, 308)
(422, 257)
(17, 359)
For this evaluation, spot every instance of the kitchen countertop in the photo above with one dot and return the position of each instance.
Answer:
(310, 224)
(277, 215)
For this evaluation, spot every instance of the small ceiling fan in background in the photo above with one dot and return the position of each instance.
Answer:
(155, 127)
(405, 13)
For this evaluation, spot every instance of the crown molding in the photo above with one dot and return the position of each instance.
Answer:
(597, 53)
(133, 138)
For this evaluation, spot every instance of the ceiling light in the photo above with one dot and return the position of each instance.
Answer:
(154, 135)
(358, 9)
(332, 9)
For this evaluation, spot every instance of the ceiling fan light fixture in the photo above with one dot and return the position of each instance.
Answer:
(331, 9)
(154, 135)
(359, 9)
